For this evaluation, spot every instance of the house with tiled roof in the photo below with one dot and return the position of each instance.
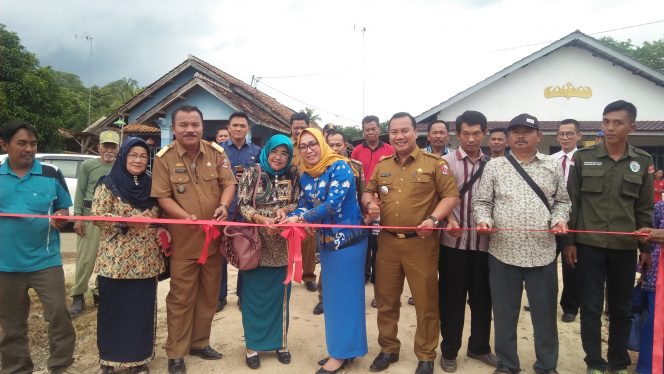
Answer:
(216, 93)
(574, 77)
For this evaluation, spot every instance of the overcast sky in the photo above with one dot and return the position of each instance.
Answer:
(417, 53)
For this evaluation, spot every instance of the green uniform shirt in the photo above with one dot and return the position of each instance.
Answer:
(610, 195)
(88, 175)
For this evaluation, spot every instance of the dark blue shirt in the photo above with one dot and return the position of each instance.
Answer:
(245, 156)
(30, 244)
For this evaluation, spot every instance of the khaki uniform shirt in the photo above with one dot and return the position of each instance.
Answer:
(196, 185)
(410, 193)
(610, 195)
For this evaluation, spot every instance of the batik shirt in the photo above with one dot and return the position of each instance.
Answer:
(650, 278)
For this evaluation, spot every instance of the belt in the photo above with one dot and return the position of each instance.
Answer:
(87, 204)
(403, 235)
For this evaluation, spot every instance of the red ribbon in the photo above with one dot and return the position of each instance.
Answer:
(211, 233)
(658, 325)
(294, 235)
(165, 244)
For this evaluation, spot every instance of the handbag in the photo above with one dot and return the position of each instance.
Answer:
(241, 245)
(638, 318)
(165, 254)
(529, 180)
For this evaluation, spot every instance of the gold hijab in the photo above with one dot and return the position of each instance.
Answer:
(327, 155)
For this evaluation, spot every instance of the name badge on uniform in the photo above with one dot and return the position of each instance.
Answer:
(180, 170)
(180, 188)
(634, 166)
(385, 174)
(592, 163)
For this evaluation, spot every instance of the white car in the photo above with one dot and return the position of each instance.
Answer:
(69, 165)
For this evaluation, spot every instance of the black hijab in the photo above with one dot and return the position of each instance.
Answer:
(134, 191)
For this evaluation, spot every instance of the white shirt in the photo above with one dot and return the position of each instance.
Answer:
(561, 155)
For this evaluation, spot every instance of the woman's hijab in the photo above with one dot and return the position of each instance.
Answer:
(133, 190)
(272, 143)
(327, 155)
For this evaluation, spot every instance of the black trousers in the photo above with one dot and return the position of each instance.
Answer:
(569, 298)
(464, 277)
(370, 263)
(618, 268)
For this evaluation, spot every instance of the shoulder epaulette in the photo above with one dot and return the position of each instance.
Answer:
(641, 152)
(431, 154)
(163, 150)
(356, 162)
(385, 157)
(217, 147)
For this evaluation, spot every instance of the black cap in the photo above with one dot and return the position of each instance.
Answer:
(329, 127)
(524, 119)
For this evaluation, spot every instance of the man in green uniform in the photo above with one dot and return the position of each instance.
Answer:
(611, 188)
(416, 189)
(88, 233)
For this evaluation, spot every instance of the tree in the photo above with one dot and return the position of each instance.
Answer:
(649, 53)
(350, 132)
(310, 114)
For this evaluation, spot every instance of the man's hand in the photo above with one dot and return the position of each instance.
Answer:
(645, 261)
(424, 230)
(560, 228)
(373, 210)
(59, 223)
(79, 228)
(483, 228)
(221, 213)
(653, 235)
(453, 228)
(192, 217)
(569, 254)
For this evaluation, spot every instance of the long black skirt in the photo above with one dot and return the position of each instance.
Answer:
(126, 321)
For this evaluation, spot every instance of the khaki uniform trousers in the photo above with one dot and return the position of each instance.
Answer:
(191, 303)
(309, 259)
(86, 255)
(416, 259)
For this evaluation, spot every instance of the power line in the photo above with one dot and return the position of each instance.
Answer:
(592, 33)
(305, 103)
(309, 75)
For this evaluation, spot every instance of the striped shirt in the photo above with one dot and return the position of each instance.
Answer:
(463, 170)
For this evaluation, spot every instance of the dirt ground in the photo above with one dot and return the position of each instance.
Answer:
(306, 338)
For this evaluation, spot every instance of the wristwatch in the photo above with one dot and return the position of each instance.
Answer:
(434, 220)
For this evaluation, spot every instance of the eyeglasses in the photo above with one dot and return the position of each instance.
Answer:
(312, 146)
(137, 156)
(566, 134)
(276, 153)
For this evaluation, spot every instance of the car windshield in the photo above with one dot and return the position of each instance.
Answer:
(68, 167)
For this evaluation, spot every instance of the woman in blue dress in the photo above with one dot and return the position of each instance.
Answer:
(329, 196)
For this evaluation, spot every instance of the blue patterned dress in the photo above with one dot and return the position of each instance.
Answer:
(332, 198)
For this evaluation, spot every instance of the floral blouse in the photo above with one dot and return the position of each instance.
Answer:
(332, 198)
(273, 193)
(650, 278)
(134, 255)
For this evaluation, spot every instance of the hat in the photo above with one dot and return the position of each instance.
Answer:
(109, 137)
(600, 133)
(524, 119)
(329, 127)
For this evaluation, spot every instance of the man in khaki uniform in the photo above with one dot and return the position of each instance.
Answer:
(416, 189)
(192, 180)
(299, 122)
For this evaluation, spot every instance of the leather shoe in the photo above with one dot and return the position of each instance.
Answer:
(253, 362)
(488, 359)
(383, 361)
(176, 366)
(318, 309)
(424, 367)
(284, 357)
(568, 317)
(449, 366)
(311, 286)
(207, 353)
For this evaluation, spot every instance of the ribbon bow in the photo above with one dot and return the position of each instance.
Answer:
(294, 235)
(211, 233)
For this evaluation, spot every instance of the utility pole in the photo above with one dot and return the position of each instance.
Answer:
(89, 38)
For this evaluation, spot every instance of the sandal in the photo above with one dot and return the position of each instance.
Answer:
(142, 369)
(284, 357)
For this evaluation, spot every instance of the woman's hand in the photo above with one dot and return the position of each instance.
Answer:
(159, 231)
(287, 220)
(281, 214)
(139, 225)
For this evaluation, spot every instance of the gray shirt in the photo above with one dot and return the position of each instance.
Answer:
(505, 201)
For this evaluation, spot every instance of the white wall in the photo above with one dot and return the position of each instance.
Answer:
(523, 90)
